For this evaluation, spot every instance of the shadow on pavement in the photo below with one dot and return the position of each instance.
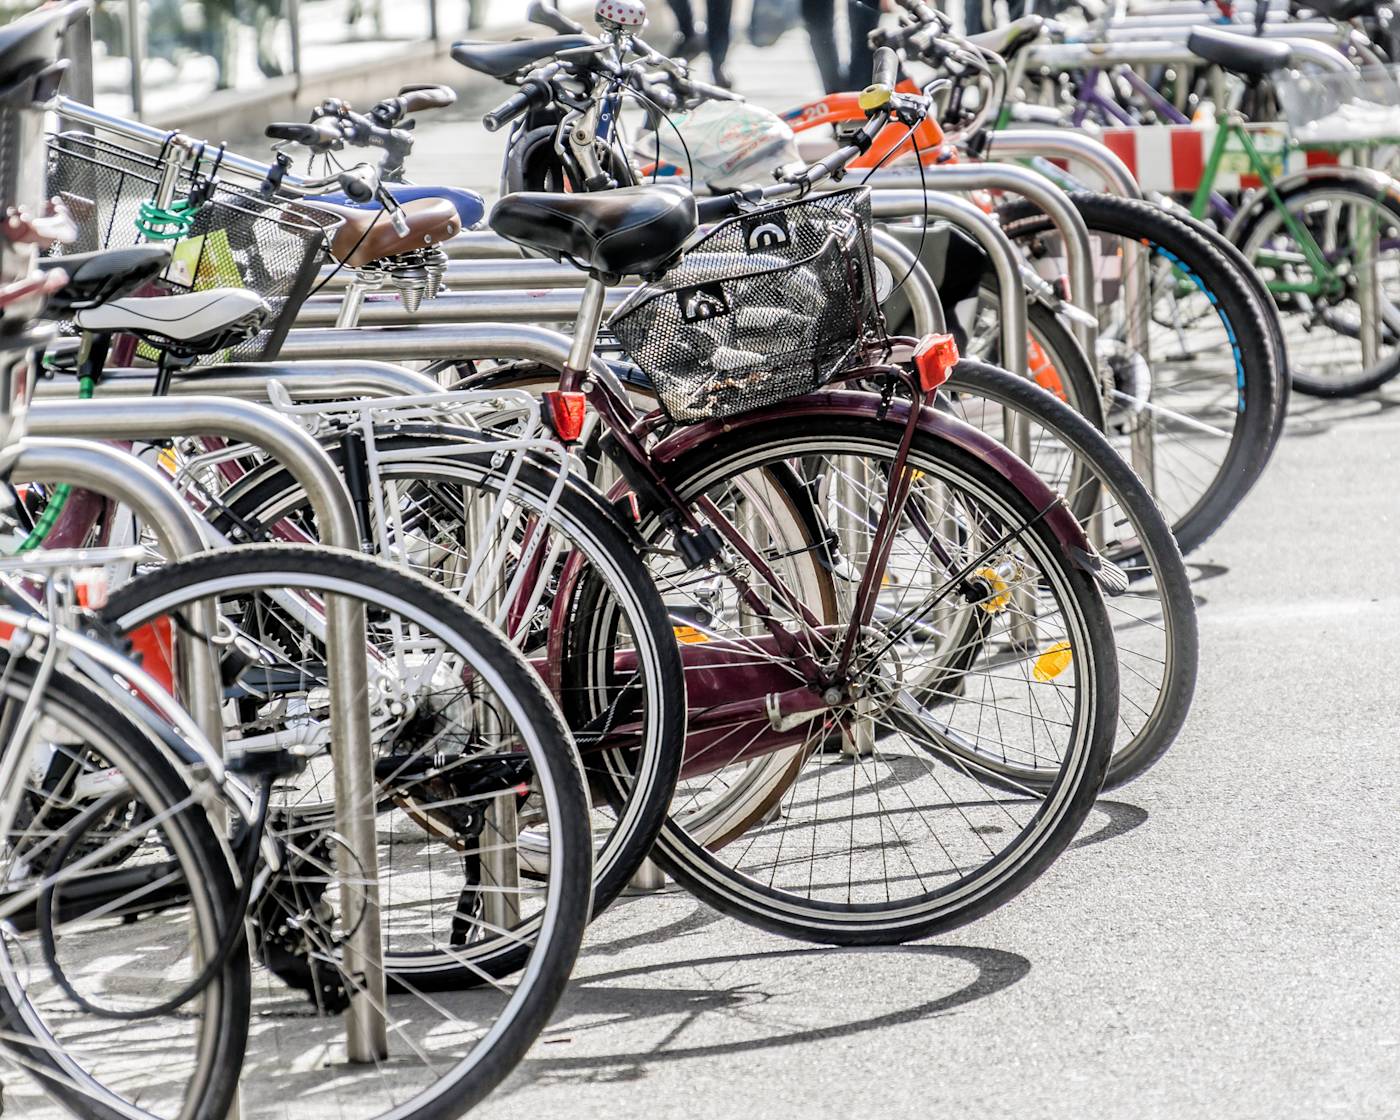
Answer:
(1122, 818)
(595, 1007)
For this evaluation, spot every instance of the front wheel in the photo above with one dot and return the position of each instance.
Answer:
(978, 725)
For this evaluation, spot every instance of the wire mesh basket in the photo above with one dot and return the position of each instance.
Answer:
(768, 305)
(238, 239)
(1332, 110)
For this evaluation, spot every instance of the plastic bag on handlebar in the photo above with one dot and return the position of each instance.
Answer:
(730, 144)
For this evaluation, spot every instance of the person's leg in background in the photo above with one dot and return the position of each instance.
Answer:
(687, 44)
(863, 21)
(719, 15)
(820, 18)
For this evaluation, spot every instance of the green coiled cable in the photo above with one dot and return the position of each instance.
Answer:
(59, 498)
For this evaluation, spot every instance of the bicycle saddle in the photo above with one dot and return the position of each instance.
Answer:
(634, 231)
(186, 325)
(501, 60)
(1240, 54)
(108, 274)
(366, 236)
(1006, 41)
(471, 207)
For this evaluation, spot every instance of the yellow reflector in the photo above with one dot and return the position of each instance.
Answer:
(1053, 662)
(168, 460)
(688, 634)
(998, 595)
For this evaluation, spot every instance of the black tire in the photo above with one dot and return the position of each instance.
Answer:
(1067, 801)
(1145, 549)
(1255, 394)
(556, 770)
(1338, 184)
(257, 499)
(1268, 310)
(212, 889)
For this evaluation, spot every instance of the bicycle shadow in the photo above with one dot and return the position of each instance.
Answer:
(597, 1004)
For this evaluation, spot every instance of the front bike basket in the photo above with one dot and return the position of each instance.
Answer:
(238, 238)
(1340, 110)
(768, 305)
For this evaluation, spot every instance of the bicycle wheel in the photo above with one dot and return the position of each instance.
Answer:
(1195, 414)
(599, 634)
(1316, 253)
(466, 744)
(141, 894)
(935, 786)
(1154, 621)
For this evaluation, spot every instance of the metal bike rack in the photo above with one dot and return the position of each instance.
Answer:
(115, 474)
(1163, 48)
(513, 289)
(427, 343)
(302, 380)
(163, 417)
(1137, 285)
(963, 177)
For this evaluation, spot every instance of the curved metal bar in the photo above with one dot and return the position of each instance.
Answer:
(115, 474)
(916, 285)
(311, 380)
(555, 306)
(347, 676)
(963, 177)
(983, 229)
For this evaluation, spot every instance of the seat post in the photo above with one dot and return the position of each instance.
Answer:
(586, 327)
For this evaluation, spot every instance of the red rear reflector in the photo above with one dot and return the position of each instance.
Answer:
(566, 413)
(934, 359)
(153, 647)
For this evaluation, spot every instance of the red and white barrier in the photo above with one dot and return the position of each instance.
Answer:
(1172, 158)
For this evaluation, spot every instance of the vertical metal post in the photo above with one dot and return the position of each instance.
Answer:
(294, 26)
(367, 1038)
(77, 48)
(135, 52)
(433, 30)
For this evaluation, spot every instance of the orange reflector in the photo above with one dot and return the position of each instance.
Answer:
(934, 359)
(153, 647)
(566, 413)
(688, 635)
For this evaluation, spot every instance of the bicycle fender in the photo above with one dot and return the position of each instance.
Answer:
(1258, 201)
(939, 425)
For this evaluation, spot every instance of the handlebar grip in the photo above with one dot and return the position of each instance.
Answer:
(318, 134)
(417, 99)
(552, 18)
(886, 71)
(532, 93)
(712, 93)
(359, 183)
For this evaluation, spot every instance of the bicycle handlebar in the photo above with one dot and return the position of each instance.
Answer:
(322, 134)
(886, 68)
(553, 18)
(534, 92)
(411, 99)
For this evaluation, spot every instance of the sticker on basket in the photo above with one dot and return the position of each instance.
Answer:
(766, 232)
(205, 261)
(704, 301)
